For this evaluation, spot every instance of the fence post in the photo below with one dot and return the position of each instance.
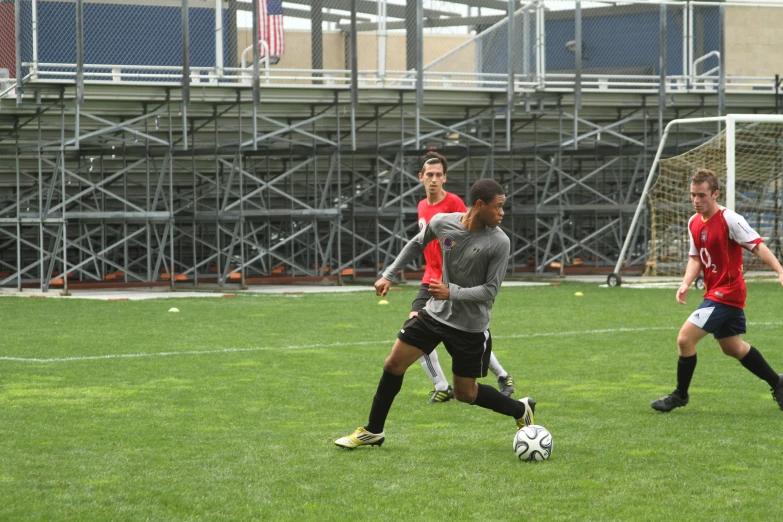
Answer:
(381, 40)
(79, 78)
(419, 66)
(219, 38)
(511, 28)
(577, 68)
(34, 68)
(526, 43)
(18, 42)
(540, 44)
(722, 62)
(354, 74)
(256, 79)
(317, 39)
(185, 75)
(662, 66)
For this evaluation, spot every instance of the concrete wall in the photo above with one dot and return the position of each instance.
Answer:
(754, 40)
(297, 51)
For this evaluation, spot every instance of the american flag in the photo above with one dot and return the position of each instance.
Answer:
(270, 26)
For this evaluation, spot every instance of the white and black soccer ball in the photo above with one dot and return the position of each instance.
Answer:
(533, 443)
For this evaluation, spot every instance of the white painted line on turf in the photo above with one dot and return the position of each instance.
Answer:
(336, 344)
(188, 352)
(585, 332)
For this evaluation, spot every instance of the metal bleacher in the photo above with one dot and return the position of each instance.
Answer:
(124, 159)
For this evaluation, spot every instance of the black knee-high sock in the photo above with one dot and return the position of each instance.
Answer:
(490, 398)
(388, 388)
(685, 368)
(757, 365)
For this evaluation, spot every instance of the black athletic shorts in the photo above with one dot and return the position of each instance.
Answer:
(469, 351)
(421, 299)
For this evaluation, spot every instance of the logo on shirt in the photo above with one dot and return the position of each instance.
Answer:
(703, 236)
(448, 242)
(422, 223)
(476, 249)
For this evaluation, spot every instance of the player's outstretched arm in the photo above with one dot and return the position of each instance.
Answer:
(691, 273)
(766, 255)
(382, 286)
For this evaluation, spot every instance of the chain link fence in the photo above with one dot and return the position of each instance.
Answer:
(124, 42)
(462, 47)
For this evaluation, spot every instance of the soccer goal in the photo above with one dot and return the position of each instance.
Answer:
(747, 156)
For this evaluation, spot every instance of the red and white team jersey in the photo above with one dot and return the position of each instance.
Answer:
(719, 242)
(432, 253)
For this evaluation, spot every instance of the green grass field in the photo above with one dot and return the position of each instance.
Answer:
(228, 411)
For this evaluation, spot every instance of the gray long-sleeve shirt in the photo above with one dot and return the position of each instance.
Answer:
(474, 265)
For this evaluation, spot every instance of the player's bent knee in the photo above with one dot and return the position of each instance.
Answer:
(685, 345)
(394, 366)
(465, 395)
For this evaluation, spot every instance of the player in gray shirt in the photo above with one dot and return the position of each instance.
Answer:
(474, 265)
(475, 258)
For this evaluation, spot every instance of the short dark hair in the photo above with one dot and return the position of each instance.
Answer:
(485, 190)
(702, 175)
(434, 157)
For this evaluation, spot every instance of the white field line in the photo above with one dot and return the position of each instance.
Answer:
(337, 344)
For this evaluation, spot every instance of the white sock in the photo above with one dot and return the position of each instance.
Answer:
(495, 367)
(434, 371)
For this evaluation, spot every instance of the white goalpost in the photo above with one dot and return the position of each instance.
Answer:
(747, 156)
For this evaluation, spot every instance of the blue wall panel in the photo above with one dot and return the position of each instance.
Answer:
(123, 34)
(628, 42)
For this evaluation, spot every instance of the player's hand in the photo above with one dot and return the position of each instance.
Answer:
(439, 290)
(682, 292)
(382, 286)
(412, 315)
(780, 278)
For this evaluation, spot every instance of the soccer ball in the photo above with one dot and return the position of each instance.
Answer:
(533, 443)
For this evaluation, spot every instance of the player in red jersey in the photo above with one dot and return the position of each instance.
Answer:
(718, 236)
(438, 201)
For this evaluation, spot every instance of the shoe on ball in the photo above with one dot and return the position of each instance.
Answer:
(527, 418)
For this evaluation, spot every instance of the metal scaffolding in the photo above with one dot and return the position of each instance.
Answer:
(191, 183)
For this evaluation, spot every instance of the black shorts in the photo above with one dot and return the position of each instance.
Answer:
(421, 299)
(469, 351)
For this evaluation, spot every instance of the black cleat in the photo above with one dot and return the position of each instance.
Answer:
(441, 396)
(777, 393)
(671, 401)
(506, 385)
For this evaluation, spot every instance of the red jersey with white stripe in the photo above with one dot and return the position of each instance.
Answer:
(432, 252)
(719, 242)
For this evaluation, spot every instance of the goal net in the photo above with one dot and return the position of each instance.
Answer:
(752, 188)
